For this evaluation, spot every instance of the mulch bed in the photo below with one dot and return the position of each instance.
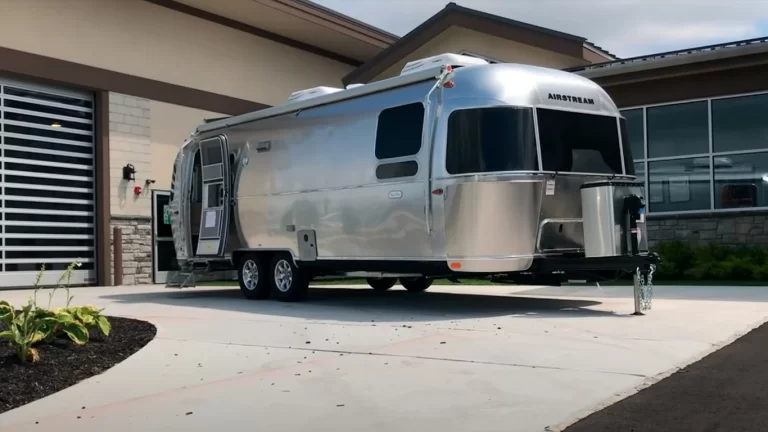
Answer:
(723, 392)
(63, 364)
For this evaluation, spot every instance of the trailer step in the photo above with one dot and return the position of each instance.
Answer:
(188, 278)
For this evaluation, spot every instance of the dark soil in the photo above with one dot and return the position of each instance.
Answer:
(63, 364)
(726, 391)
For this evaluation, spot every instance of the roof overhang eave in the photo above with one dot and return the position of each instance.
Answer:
(597, 71)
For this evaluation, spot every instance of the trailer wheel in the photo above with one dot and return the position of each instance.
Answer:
(289, 283)
(416, 284)
(253, 277)
(381, 284)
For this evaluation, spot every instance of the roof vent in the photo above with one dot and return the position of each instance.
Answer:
(312, 93)
(453, 60)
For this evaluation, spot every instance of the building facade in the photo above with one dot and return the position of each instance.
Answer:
(697, 124)
(92, 88)
(96, 96)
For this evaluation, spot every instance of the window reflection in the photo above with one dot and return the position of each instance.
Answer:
(640, 171)
(678, 130)
(741, 181)
(679, 185)
(740, 123)
(635, 135)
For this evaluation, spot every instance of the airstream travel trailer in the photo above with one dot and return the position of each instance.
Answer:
(454, 168)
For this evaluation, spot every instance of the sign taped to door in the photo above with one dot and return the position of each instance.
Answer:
(210, 219)
(167, 214)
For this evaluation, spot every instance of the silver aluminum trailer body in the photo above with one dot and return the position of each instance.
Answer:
(486, 190)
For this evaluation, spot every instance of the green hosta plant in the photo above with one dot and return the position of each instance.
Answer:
(90, 316)
(62, 321)
(33, 324)
(24, 329)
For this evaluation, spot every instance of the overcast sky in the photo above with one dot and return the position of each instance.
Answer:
(624, 27)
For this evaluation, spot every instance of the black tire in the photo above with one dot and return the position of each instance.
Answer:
(418, 284)
(289, 283)
(381, 284)
(259, 288)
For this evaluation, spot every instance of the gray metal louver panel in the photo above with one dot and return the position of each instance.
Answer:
(47, 173)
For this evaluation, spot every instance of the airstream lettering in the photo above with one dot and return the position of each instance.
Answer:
(455, 168)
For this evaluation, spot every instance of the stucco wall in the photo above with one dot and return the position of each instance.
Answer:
(457, 39)
(142, 39)
(146, 134)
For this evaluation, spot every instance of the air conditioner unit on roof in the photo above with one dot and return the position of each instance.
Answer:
(311, 93)
(454, 60)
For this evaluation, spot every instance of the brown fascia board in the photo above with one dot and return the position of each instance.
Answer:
(683, 70)
(454, 15)
(594, 57)
(709, 83)
(237, 25)
(331, 15)
(600, 50)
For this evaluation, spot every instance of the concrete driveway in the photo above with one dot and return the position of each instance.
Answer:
(484, 358)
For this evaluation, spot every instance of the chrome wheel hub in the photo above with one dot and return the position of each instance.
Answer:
(250, 275)
(283, 276)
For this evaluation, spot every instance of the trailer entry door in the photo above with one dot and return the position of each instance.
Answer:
(214, 222)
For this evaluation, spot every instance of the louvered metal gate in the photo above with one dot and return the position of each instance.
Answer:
(46, 183)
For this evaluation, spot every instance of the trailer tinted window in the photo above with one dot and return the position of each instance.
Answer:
(576, 142)
(397, 169)
(490, 139)
(398, 133)
(212, 154)
(629, 161)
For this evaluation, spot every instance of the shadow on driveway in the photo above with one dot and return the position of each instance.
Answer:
(364, 305)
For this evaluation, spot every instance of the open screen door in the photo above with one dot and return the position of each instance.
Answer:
(214, 222)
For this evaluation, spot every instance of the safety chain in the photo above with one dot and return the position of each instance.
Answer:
(646, 288)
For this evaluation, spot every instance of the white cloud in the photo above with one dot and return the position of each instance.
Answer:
(625, 27)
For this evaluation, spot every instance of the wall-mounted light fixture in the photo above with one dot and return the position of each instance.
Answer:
(129, 173)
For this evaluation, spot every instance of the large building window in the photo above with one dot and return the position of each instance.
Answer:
(705, 155)
(678, 130)
(741, 181)
(740, 123)
(679, 185)
(635, 132)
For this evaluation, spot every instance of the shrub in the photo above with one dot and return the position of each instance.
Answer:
(680, 260)
(676, 257)
(23, 330)
(34, 324)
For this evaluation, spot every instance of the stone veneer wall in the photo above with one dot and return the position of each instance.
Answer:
(137, 248)
(733, 229)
